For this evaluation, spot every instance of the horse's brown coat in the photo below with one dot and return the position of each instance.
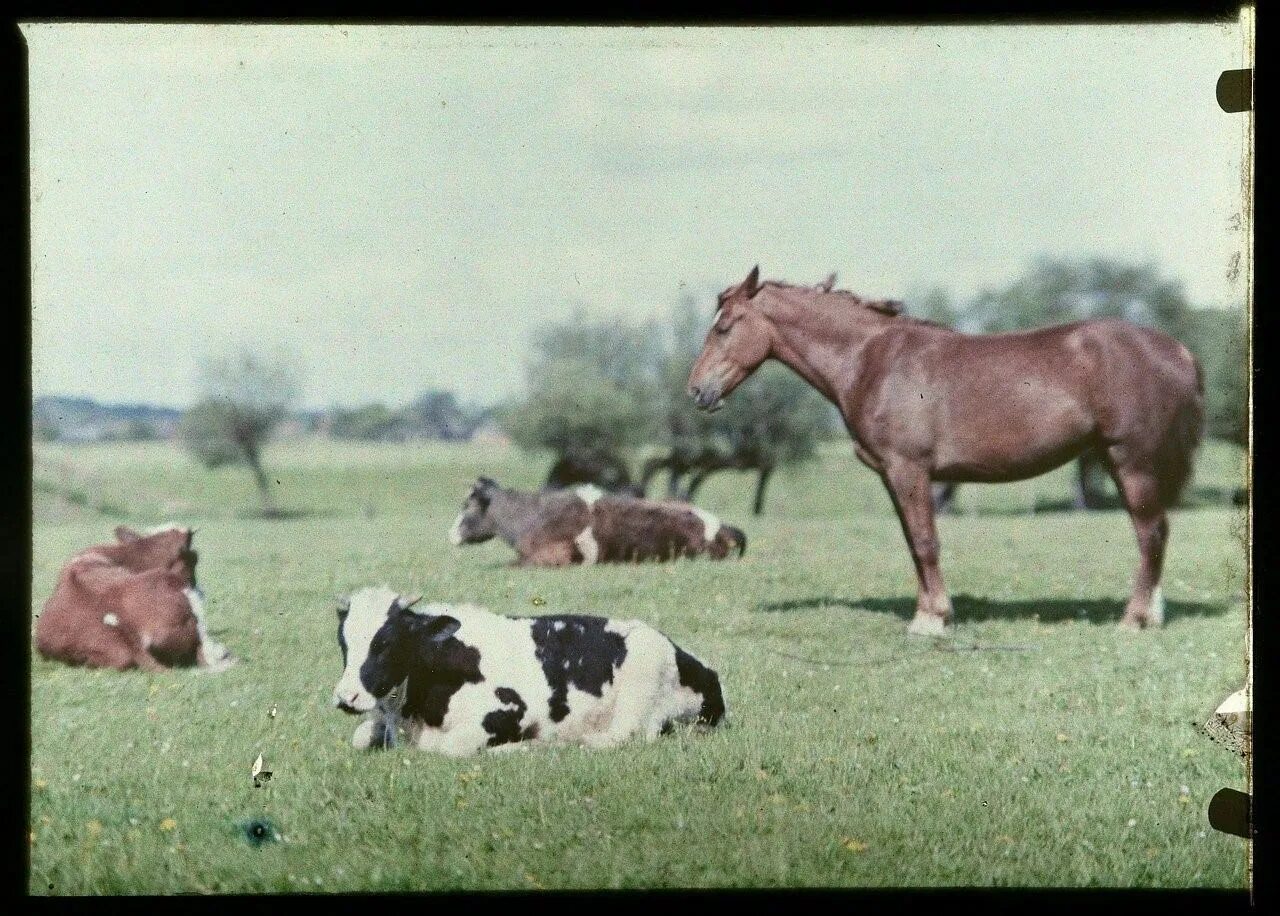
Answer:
(923, 402)
(124, 605)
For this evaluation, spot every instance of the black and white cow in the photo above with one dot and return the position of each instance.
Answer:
(459, 679)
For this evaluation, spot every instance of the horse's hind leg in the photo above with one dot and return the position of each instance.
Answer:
(1140, 489)
(909, 486)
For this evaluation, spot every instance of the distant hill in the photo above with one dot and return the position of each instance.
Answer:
(65, 419)
(55, 418)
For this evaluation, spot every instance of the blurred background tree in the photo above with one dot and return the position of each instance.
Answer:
(243, 396)
(602, 389)
(773, 419)
(592, 383)
(585, 418)
(371, 422)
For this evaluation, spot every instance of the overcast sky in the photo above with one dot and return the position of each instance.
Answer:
(399, 206)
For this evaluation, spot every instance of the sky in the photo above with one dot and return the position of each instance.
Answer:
(397, 208)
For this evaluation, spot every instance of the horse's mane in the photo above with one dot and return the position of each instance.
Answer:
(892, 307)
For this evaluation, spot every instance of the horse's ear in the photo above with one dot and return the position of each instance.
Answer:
(125, 534)
(828, 284)
(751, 285)
(887, 306)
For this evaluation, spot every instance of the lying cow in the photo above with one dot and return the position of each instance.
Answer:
(586, 525)
(131, 604)
(460, 679)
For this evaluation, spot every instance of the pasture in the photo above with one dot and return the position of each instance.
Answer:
(852, 756)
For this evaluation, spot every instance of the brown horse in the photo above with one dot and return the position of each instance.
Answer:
(926, 403)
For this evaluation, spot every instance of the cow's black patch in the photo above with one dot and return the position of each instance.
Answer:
(438, 673)
(576, 651)
(410, 646)
(702, 680)
(503, 725)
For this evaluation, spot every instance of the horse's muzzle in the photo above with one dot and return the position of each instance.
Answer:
(706, 397)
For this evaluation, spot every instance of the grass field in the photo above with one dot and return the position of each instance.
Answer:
(852, 755)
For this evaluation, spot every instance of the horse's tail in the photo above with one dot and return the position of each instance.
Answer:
(1175, 453)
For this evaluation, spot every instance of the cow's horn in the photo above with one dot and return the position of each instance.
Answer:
(408, 601)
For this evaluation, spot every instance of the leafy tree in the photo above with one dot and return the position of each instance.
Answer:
(1220, 340)
(593, 384)
(574, 405)
(629, 355)
(372, 422)
(774, 418)
(1057, 291)
(438, 415)
(243, 397)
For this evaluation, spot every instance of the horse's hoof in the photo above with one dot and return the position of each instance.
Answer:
(1130, 625)
(928, 625)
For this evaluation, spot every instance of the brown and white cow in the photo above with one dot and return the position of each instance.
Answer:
(131, 604)
(585, 525)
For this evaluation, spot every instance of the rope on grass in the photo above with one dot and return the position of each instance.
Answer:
(939, 645)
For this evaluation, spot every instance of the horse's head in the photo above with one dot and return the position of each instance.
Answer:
(738, 342)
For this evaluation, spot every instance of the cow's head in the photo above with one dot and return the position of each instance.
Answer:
(475, 523)
(381, 638)
(167, 547)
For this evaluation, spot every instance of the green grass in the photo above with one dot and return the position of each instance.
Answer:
(852, 757)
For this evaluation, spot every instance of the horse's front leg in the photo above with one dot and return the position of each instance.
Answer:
(912, 494)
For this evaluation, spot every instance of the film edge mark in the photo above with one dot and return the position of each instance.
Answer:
(1229, 812)
(1235, 90)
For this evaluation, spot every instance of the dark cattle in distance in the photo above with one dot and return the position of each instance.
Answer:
(587, 526)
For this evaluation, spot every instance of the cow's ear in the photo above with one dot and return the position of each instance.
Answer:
(438, 629)
(404, 602)
(344, 604)
(125, 534)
